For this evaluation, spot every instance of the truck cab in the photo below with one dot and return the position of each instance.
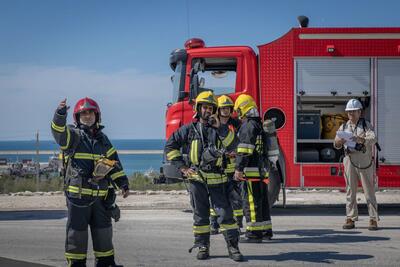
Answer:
(224, 70)
(227, 70)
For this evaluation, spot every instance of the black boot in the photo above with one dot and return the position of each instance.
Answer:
(77, 263)
(267, 234)
(233, 249)
(203, 253)
(106, 262)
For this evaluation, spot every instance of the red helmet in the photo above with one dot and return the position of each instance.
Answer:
(86, 104)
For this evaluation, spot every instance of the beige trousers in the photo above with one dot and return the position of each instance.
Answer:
(353, 175)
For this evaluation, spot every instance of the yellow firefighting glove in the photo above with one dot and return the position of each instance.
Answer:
(103, 167)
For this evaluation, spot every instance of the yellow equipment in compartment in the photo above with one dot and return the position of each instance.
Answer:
(331, 123)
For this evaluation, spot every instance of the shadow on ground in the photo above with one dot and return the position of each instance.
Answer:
(312, 257)
(24, 215)
(330, 210)
(15, 263)
(323, 236)
(314, 232)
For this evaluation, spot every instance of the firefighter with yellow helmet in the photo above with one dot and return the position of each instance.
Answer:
(252, 170)
(205, 176)
(227, 132)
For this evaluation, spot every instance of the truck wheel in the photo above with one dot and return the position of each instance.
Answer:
(274, 187)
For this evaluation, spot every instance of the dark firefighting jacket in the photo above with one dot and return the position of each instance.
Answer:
(197, 145)
(81, 149)
(250, 150)
(228, 134)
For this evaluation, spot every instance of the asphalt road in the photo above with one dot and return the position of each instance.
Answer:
(304, 235)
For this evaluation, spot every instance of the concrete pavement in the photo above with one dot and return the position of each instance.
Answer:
(304, 235)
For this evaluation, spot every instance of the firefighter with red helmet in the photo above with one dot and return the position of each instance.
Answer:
(92, 173)
(205, 175)
(227, 132)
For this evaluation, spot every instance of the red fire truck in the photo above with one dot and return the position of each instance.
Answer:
(303, 80)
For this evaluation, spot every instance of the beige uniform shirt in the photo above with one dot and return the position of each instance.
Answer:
(359, 158)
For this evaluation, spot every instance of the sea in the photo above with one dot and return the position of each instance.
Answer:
(131, 163)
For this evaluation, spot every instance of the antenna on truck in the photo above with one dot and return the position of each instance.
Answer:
(303, 21)
(187, 18)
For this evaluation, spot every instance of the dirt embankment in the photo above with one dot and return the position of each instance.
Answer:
(180, 199)
(56, 200)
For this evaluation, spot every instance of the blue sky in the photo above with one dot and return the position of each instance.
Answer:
(117, 52)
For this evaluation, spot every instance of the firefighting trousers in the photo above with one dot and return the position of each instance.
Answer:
(256, 208)
(235, 198)
(200, 194)
(352, 175)
(76, 243)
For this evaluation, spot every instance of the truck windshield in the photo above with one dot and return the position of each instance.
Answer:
(177, 84)
(218, 74)
(221, 82)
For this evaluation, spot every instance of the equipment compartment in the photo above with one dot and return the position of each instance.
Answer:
(318, 119)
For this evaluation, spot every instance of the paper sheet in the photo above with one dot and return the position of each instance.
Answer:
(348, 137)
(344, 135)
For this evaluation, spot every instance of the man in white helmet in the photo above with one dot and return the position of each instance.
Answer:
(358, 163)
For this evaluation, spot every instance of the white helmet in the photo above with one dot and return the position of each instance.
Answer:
(353, 104)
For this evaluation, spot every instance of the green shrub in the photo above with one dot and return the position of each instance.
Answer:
(137, 181)
(9, 184)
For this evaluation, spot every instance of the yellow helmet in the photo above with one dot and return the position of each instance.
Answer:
(243, 104)
(206, 97)
(225, 101)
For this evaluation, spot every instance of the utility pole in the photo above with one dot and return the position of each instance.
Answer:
(37, 161)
